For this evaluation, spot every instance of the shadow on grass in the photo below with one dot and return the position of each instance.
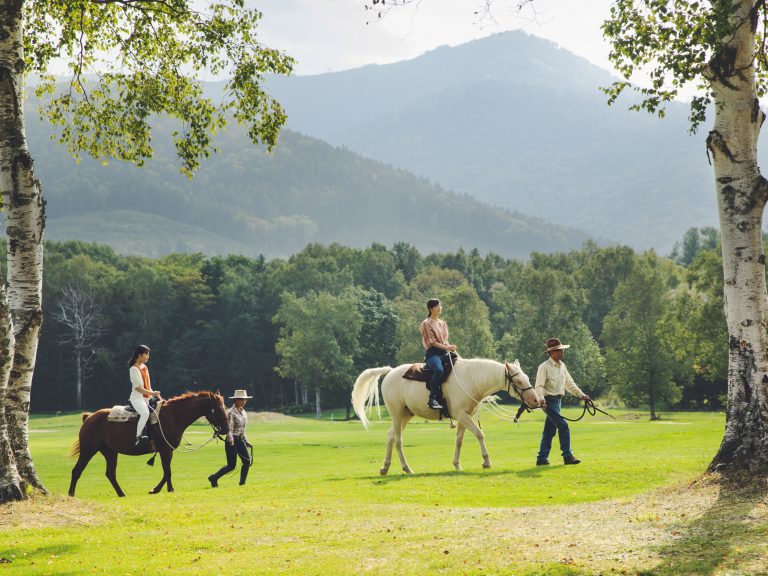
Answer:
(723, 538)
(22, 558)
(398, 476)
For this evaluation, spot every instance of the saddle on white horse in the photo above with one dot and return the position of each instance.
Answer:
(423, 373)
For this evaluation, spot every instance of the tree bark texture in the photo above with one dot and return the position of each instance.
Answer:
(10, 484)
(25, 219)
(742, 192)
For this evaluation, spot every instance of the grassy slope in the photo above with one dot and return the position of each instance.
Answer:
(315, 504)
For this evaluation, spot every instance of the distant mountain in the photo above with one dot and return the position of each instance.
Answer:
(515, 121)
(244, 200)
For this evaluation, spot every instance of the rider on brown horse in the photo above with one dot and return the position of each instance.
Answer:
(141, 389)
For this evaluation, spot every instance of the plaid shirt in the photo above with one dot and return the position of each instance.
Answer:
(433, 331)
(237, 420)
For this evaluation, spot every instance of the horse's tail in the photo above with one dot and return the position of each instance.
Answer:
(75, 450)
(366, 391)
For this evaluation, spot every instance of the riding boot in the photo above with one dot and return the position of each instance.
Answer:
(434, 393)
(244, 474)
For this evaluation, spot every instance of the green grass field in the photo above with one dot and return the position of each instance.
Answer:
(315, 504)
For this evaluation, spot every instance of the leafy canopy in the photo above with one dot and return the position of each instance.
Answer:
(677, 42)
(130, 59)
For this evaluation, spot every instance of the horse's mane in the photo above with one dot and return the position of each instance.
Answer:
(482, 368)
(190, 395)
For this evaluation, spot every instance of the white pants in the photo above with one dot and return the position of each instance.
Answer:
(142, 409)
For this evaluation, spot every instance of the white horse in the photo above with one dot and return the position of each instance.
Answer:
(470, 381)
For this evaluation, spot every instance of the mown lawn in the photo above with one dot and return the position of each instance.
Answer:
(315, 504)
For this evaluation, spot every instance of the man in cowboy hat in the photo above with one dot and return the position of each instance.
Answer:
(552, 380)
(237, 442)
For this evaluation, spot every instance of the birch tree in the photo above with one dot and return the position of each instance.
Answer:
(128, 60)
(720, 46)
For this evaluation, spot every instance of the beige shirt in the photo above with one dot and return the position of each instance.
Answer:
(554, 380)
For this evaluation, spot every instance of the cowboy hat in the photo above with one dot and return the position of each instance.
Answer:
(554, 344)
(240, 395)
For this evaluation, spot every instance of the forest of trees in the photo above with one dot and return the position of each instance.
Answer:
(645, 330)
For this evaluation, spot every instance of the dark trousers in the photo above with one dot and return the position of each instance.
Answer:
(239, 448)
(555, 424)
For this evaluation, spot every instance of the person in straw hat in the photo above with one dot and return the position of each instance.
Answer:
(552, 380)
(237, 442)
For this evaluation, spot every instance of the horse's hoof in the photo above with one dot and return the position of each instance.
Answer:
(486, 464)
(383, 471)
(407, 470)
(458, 468)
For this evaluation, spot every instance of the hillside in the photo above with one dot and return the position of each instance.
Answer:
(244, 200)
(515, 121)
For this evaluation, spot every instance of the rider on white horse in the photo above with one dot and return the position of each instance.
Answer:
(434, 337)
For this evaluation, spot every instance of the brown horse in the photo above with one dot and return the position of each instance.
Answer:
(113, 438)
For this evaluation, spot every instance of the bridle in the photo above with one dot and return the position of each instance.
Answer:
(218, 429)
(510, 381)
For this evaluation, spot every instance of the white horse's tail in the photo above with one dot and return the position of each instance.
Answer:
(366, 391)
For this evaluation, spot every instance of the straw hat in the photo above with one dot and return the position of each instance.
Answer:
(240, 395)
(554, 344)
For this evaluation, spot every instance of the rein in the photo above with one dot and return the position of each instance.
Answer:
(181, 448)
(493, 407)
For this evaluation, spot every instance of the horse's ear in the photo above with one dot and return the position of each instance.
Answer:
(516, 363)
(218, 392)
(507, 366)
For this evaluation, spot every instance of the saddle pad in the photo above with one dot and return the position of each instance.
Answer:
(126, 413)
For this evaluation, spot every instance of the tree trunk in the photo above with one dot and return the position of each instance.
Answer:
(25, 220)
(318, 412)
(79, 377)
(742, 192)
(11, 487)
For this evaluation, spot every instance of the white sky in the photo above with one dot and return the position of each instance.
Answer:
(332, 35)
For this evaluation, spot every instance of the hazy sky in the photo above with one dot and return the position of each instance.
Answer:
(331, 35)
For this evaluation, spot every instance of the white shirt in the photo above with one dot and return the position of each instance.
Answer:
(136, 382)
(553, 380)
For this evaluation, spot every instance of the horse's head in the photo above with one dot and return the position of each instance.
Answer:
(519, 383)
(216, 414)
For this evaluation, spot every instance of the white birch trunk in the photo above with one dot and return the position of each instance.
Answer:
(742, 192)
(25, 220)
(10, 483)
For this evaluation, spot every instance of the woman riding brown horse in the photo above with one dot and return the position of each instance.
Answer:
(113, 438)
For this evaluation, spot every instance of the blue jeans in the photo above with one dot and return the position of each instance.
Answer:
(555, 424)
(434, 359)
